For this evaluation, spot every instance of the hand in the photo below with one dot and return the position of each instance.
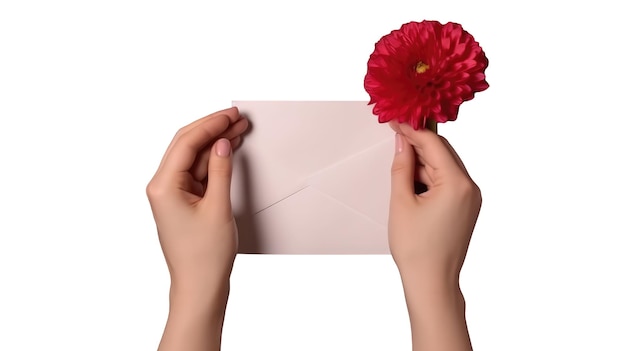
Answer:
(190, 200)
(429, 235)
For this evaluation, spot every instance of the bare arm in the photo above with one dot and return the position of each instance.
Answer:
(429, 234)
(437, 314)
(190, 200)
(195, 320)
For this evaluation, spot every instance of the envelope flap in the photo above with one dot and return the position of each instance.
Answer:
(260, 181)
(361, 182)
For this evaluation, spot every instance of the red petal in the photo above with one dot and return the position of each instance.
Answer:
(456, 72)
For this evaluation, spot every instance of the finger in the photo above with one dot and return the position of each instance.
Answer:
(402, 171)
(185, 150)
(197, 188)
(395, 126)
(236, 129)
(232, 113)
(199, 168)
(432, 151)
(235, 143)
(422, 175)
(220, 170)
(456, 156)
(199, 174)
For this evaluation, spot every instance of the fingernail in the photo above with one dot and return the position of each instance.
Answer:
(398, 143)
(223, 147)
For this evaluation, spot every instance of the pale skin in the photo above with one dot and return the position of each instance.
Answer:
(428, 233)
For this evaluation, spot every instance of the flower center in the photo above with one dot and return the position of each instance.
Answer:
(421, 67)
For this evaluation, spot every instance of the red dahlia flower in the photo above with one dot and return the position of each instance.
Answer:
(424, 70)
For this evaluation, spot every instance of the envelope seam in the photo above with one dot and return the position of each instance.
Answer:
(281, 200)
(350, 208)
(338, 163)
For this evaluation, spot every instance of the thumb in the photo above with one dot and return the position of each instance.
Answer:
(403, 171)
(219, 174)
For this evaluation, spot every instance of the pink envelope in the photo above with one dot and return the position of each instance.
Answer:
(312, 177)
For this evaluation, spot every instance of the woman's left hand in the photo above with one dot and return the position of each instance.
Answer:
(190, 200)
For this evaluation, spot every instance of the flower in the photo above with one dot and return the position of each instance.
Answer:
(424, 70)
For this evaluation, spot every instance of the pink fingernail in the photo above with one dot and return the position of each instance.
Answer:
(398, 143)
(223, 147)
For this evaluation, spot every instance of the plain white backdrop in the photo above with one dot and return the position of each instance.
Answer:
(91, 93)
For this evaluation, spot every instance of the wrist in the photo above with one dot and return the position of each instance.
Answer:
(431, 289)
(199, 298)
(435, 276)
(196, 317)
(437, 314)
(428, 291)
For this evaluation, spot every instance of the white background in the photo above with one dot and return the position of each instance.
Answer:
(92, 92)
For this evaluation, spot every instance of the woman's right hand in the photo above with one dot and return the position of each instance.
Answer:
(429, 233)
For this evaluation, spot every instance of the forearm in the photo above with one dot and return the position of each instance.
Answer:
(196, 317)
(437, 314)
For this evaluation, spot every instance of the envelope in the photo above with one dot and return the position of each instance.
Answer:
(312, 177)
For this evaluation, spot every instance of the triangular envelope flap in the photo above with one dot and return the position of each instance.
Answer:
(309, 222)
(361, 182)
(261, 177)
(259, 181)
(311, 135)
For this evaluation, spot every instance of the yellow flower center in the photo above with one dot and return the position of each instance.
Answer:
(421, 67)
